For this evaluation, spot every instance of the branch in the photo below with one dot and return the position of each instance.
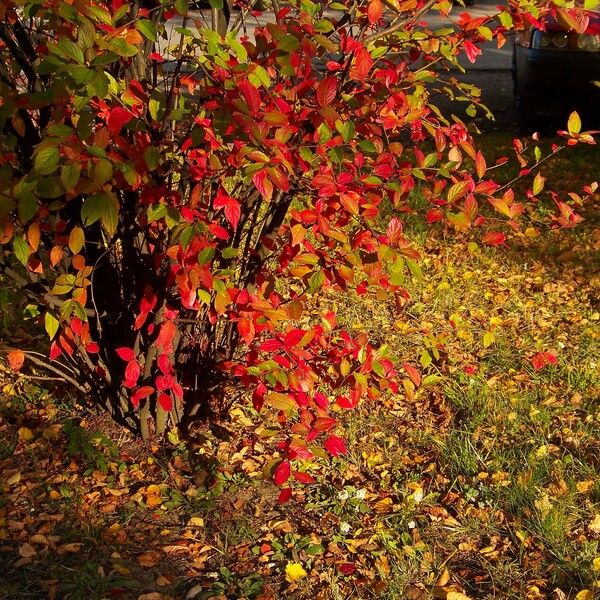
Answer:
(396, 27)
(45, 364)
(46, 296)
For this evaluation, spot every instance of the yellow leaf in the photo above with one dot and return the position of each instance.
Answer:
(488, 339)
(585, 595)
(595, 525)
(14, 479)
(294, 572)
(596, 564)
(457, 596)
(25, 434)
(574, 126)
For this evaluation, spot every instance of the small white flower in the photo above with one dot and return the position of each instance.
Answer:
(361, 494)
(345, 527)
(343, 495)
(412, 525)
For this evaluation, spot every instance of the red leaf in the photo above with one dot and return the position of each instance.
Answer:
(263, 185)
(326, 91)
(126, 354)
(394, 230)
(284, 495)
(246, 329)
(270, 346)
(374, 11)
(433, 215)
(231, 206)
(166, 335)
(324, 424)
(412, 373)
(471, 50)
(541, 359)
(166, 402)
(16, 358)
(335, 445)
(347, 568)
(293, 338)
(303, 477)
(55, 351)
(132, 374)
(363, 61)
(141, 394)
(493, 238)
(118, 118)
(251, 96)
(282, 472)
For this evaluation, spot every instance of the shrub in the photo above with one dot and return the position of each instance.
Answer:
(175, 195)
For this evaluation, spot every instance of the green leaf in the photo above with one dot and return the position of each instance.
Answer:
(122, 48)
(69, 175)
(27, 206)
(240, 51)
(346, 130)
(103, 207)
(151, 157)
(103, 172)
(288, 43)
(65, 48)
(425, 359)
(51, 324)
(147, 29)
(46, 160)
(91, 209)
(21, 250)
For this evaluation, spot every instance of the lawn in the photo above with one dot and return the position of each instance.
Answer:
(479, 481)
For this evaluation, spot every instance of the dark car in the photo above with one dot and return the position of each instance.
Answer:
(554, 73)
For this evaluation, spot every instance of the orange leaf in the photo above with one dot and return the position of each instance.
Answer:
(375, 11)
(16, 358)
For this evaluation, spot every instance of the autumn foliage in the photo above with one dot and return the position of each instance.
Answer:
(178, 186)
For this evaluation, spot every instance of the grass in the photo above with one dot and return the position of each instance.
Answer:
(484, 481)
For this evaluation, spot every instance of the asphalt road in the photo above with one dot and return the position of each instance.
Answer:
(490, 72)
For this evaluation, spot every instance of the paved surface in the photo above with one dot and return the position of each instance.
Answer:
(490, 72)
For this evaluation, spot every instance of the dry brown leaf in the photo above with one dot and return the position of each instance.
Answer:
(27, 550)
(149, 559)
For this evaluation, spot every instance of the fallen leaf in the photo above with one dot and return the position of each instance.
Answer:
(595, 524)
(149, 559)
(16, 358)
(27, 550)
(25, 434)
(457, 596)
(294, 572)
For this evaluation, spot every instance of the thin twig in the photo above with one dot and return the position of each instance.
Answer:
(385, 32)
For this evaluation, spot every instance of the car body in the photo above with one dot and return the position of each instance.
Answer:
(554, 71)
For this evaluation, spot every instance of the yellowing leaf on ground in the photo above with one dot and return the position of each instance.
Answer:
(457, 596)
(585, 595)
(595, 524)
(25, 434)
(294, 572)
